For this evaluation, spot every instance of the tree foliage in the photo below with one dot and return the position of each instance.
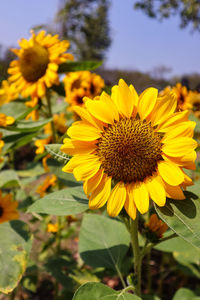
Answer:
(188, 10)
(85, 24)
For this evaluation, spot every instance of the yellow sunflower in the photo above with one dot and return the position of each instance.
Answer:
(36, 68)
(156, 225)
(7, 92)
(182, 94)
(81, 84)
(8, 208)
(136, 142)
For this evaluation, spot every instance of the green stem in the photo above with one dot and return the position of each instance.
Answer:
(137, 254)
(51, 116)
(151, 245)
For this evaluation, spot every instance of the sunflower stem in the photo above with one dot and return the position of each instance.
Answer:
(51, 116)
(137, 255)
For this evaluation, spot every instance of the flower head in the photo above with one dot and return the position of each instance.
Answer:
(7, 92)
(6, 120)
(137, 142)
(8, 208)
(157, 226)
(49, 181)
(81, 84)
(36, 68)
(52, 227)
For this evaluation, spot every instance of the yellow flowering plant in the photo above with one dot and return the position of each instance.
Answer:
(97, 198)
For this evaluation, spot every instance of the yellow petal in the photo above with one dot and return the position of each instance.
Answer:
(78, 160)
(164, 107)
(129, 204)
(90, 185)
(126, 101)
(77, 147)
(136, 98)
(100, 110)
(147, 101)
(116, 200)
(174, 192)
(156, 191)
(170, 173)
(111, 105)
(83, 132)
(87, 170)
(173, 120)
(184, 129)
(84, 115)
(179, 146)
(100, 195)
(141, 197)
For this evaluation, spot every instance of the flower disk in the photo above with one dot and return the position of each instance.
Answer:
(129, 150)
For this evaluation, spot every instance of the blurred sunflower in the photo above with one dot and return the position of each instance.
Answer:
(49, 181)
(157, 226)
(7, 92)
(182, 94)
(6, 120)
(8, 208)
(36, 68)
(80, 84)
(138, 142)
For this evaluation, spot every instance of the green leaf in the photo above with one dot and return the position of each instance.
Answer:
(62, 203)
(79, 66)
(185, 294)
(9, 178)
(105, 238)
(16, 109)
(99, 291)
(15, 141)
(54, 151)
(28, 126)
(14, 249)
(183, 216)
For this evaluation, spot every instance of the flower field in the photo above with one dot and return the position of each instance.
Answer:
(99, 189)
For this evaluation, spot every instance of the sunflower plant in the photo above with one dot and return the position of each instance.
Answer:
(94, 185)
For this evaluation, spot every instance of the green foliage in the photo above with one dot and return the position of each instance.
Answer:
(99, 291)
(8, 179)
(104, 238)
(62, 203)
(14, 250)
(183, 217)
(75, 66)
(85, 24)
(28, 126)
(54, 151)
(16, 109)
(185, 294)
(188, 11)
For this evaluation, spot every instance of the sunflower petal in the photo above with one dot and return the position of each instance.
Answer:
(116, 200)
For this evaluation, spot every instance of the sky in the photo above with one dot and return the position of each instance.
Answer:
(138, 42)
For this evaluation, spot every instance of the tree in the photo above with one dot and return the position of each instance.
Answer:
(85, 24)
(188, 10)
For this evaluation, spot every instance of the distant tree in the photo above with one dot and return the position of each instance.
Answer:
(188, 10)
(6, 56)
(85, 24)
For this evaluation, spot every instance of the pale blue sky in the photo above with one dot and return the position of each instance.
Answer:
(138, 42)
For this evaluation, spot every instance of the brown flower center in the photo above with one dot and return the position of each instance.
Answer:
(33, 62)
(130, 150)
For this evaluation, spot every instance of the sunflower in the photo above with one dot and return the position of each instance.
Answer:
(8, 208)
(49, 181)
(182, 94)
(7, 92)
(157, 226)
(36, 68)
(81, 84)
(138, 143)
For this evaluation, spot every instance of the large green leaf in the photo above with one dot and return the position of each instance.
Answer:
(99, 291)
(17, 140)
(14, 249)
(74, 66)
(185, 294)
(16, 109)
(62, 203)
(54, 151)
(183, 216)
(103, 238)
(9, 178)
(28, 126)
